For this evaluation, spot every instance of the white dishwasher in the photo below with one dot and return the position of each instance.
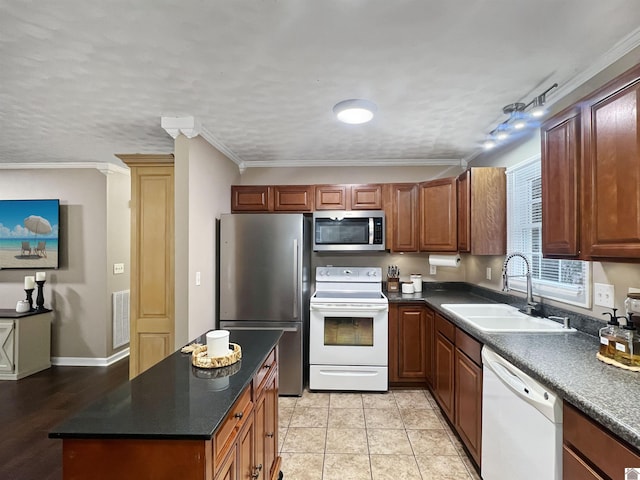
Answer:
(521, 424)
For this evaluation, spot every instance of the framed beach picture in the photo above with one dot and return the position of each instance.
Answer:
(29, 233)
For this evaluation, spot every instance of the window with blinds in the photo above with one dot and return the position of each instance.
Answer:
(563, 280)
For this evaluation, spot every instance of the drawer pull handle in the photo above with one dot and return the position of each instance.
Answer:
(266, 366)
(270, 434)
(238, 415)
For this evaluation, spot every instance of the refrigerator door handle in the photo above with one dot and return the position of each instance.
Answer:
(295, 278)
(264, 327)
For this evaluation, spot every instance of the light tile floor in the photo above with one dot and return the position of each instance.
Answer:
(371, 436)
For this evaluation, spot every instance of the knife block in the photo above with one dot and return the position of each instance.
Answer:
(393, 284)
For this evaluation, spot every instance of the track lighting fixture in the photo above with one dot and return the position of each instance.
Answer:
(520, 116)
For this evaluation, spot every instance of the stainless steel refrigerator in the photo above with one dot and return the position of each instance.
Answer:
(264, 283)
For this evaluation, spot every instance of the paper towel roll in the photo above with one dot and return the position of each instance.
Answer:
(445, 260)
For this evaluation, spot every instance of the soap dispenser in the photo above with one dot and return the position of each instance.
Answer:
(610, 335)
(628, 349)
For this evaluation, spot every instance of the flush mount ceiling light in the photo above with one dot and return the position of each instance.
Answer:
(520, 115)
(354, 111)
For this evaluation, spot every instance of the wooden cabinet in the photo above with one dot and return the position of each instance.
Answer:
(331, 197)
(444, 365)
(293, 198)
(403, 218)
(271, 198)
(152, 311)
(457, 384)
(251, 198)
(366, 197)
(468, 392)
(266, 428)
(591, 175)
(559, 167)
(611, 208)
(408, 344)
(25, 343)
(592, 452)
(482, 211)
(348, 197)
(438, 215)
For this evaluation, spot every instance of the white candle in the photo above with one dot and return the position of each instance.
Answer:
(41, 276)
(29, 283)
(217, 343)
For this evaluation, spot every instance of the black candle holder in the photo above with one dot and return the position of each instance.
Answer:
(40, 297)
(29, 292)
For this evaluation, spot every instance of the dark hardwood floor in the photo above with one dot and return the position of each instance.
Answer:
(30, 407)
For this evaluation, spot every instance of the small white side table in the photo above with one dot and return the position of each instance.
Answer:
(25, 343)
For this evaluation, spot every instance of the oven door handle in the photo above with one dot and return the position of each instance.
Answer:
(350, 308)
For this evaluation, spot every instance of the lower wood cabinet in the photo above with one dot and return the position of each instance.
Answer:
(410, 340)
(468, 392)
(590, 451)
(444, 365)
(457, 383)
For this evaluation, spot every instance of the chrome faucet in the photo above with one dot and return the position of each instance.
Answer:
(531, 308)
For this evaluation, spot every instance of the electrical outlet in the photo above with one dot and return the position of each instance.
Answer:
(432, 269)
(634, 305)
(488, 273)
(118, 268)
(603, 295)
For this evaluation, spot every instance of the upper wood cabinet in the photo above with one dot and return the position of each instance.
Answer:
(268, 198)
(482, 211)
(591, 175)
(349, 197)
(293, 198)
(403, 218)
(438, 215)
(611, 159)
(366, 197)
(251, 198)
(560, 166)
(331, 197)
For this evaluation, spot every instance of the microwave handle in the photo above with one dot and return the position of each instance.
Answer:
(295, 278)
(370, 230)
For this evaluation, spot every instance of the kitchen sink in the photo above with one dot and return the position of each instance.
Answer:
(500, 317)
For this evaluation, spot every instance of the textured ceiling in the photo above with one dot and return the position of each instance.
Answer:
(81, 80)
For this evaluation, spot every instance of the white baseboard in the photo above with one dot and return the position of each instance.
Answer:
(89, 361)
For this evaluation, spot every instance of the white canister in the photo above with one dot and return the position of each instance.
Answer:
(416, 279)
(407, 287)
(217, 343)
(22, 306)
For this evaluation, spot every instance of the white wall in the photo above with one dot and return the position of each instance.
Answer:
(79, 290)
(207, 175)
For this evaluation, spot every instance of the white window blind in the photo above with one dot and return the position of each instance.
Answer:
(562, 280)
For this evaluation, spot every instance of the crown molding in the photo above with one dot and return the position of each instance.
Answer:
(374, 162)
(619, 50)
(103, 167)
(174, 126)
(191, 127)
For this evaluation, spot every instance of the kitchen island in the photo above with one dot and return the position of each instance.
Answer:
(178, 421)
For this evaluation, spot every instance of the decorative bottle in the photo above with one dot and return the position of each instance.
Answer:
(610, 335)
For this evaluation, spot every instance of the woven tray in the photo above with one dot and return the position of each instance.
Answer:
(611, 361)
(200, 359)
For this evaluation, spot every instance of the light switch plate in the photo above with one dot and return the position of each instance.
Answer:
(118, 268)
(603, 295)
(488, 273)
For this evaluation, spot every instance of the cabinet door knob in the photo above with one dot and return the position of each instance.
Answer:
(238, 415)
(256, 472)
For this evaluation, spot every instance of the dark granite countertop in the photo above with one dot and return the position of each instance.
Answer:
(12, 314)
(565, 362)
(173, 399)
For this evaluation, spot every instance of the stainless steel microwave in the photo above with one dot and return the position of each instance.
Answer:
(348, 230)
